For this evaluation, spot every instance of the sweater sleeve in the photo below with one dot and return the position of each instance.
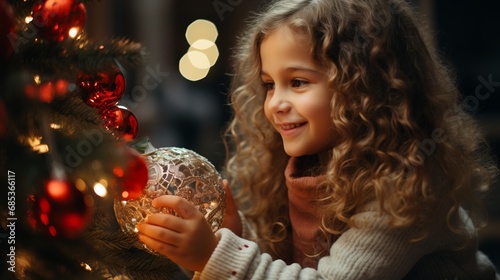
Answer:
(371, 252)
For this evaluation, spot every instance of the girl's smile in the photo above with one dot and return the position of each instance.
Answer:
(288, 130)
(286, 127)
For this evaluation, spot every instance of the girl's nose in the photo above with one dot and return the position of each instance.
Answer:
(279, 102)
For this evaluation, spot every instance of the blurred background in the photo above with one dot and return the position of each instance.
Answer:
(181, 104)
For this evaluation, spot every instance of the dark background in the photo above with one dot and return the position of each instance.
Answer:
(178, 112)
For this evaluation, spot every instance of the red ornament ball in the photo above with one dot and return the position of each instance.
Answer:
(119, 118)
(102, 89)
(6, 27)
(57, 20)
(134, 177)
(62, 209)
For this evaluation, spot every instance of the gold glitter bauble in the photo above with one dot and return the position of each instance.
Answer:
(175, 171)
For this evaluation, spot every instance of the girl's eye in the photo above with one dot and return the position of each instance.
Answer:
(298, 83)
(268, 86)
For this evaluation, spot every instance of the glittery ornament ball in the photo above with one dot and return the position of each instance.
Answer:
(175, 171)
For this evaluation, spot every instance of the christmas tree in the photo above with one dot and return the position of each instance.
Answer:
(67, 150)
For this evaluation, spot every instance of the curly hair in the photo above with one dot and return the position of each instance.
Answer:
(403, 138)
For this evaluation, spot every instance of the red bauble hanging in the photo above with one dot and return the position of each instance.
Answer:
(62, 209)
(57, 20)
(102, 89)
(133, 177)
(6, 27)
(119, 118)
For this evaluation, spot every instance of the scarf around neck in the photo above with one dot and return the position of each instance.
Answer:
(303, 175)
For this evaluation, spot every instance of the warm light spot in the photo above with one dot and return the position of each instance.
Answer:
(198, 59)
(28, 19)
(201, 29)
(125, 194)
(41, 149)
(58, 189)
(34, 141)
(103, 182)
(73, 32)
(61, 87)
(86, 266)
(80, 185)
(23, 263)
(55, 126)
(212, 52)
(189, 71)
(37, 79)
(100, 190)
(202, 44)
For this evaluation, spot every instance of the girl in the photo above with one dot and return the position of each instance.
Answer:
(351, 154)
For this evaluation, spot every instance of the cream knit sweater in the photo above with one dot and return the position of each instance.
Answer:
(370, 251)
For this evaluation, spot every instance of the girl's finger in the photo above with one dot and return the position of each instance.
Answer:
(167, 221)
(184, 208)
(159, 246)
(158, 234)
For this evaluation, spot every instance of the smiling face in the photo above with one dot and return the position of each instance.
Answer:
(297, 94)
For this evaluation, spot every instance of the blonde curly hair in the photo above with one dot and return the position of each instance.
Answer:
(403, 138)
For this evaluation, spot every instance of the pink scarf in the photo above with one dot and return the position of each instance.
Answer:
(309, 244)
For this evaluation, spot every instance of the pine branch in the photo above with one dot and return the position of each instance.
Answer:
(74, 112)
(66, 58)
(120, 255)
(126, 52)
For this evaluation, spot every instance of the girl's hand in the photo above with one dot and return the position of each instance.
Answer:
(232, 220)
(187, 240)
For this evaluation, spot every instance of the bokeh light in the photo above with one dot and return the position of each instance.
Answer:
(201, 29)
(202, 53)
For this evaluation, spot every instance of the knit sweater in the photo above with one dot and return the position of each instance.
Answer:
(371, 250)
